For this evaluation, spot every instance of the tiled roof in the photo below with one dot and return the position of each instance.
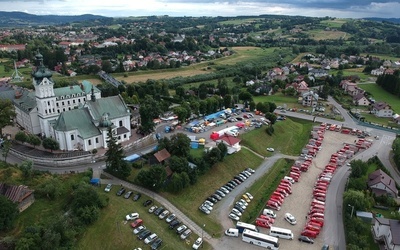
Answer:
(113, 105)
(395, 228)
(229, 139)
(162, 155)
(380, 105)
(15, 194)
(77, 119)
(379, 176)
(85, 88)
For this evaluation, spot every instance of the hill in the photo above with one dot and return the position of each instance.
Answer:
(18, 19)
(380, 19)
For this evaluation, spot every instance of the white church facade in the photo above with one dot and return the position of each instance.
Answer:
(76, 116)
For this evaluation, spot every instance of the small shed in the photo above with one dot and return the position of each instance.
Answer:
(95, 182)
(365, 216)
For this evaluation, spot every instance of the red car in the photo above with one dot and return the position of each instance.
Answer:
(136, 223)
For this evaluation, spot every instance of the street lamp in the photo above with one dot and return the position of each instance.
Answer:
(202, 231)
(352, 210)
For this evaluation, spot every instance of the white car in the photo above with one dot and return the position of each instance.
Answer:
(270, 149)
(170, 218)
(151, 238)
(244, 202)
(186, 234)
(139, 229)
(234, 217)
(108, 187)
(163, 214)
(152, 209)
(235, 211)
(181, 229)
(290, 218)
(250, 196)
(197, 243)
(209, 203)
(207, 206)
(132, 216)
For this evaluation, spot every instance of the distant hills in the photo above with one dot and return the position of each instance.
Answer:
(380, 19)
(18, 19)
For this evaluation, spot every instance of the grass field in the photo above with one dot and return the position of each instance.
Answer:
(327, 34)
(264, 187)
(289, 137)
(335, 23)
(279, 99)
(381, 95)
(239, 21)
(111, 231)
(189, 200)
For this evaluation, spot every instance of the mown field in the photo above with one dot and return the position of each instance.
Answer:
(381, 95)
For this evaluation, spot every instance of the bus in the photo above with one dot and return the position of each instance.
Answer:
(242, 226)
(281, 233)
(260, 239)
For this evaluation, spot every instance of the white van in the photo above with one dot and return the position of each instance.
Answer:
(233, 232)
(289, 179)
(269, 213)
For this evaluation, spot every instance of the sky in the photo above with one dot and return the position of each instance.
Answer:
(124, 8)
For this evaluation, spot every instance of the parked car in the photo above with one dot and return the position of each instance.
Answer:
(186, 234)
(270, 149)
(212, 199)
(250, 170)
(132, 216)
(128, 194)
(204, 209)
(108, 188)
(235, 211)
(121, 191)
(136, 223)
(234, 217)
(216, 196)
(181, 229)
(137, 196)
(143, 235)
(246, 198)
(220, 193)
(152, 209)
(306, 239)
(290, 218)
(158, 211)
(156, 244)
(152, 237)
(197, 243)
(239, 207)
(250, 196)
(209, 203)
(170, 218)
(139, 229)
(207, 206)
(147, 202)
(174, 223)
(164, 214)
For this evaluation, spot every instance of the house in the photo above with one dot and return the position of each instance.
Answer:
(382, 184)
(386, 232)
(361, 100)
(382, 109)
(379, 71)
(396, 118)
(231, 142)
(160, 157)
(350, 88)
(310, 99)
(18, 194)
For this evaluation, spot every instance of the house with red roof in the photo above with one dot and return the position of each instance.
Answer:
(231, 142)
(21, 195)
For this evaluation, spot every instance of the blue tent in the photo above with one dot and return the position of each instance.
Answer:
(95, 181)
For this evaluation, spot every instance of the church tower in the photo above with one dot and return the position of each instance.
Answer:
(45, 97)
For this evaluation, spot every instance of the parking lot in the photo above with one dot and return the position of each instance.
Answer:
(298, 203)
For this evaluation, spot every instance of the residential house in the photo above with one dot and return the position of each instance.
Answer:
(12, 47)
(382, 109)
(379, 71)
(350, 88)
(318, 73)
(361, 100)
(382, 184)
(160, 157)
(21, 195)
(386, 232)
(310, 99)
(231, 142)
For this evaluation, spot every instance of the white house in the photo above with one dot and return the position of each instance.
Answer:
(386, 232)
(310, 99)
(382, 184)
(382, 109)
(361, 100)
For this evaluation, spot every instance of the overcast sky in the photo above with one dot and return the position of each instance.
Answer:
(118, 8)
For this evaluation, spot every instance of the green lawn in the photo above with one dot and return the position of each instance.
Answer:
(189, 199)
(289, 137)
(279, 99)
(264, 187)
(380, 95)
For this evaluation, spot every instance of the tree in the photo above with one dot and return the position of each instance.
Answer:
(34, 140)
(115, 162)
(7, 114)
(245, 96)
(223, 149)
(263, 107)
(356, 199)
(227, 101)
(213, 156)
(149, 109)
(152, 178)
(8, 213)
(5, 149)
(50, 143)
(270, 116)
(180, 145)
(26, 168)
(51, 188)
(178, 164)
(21, 137)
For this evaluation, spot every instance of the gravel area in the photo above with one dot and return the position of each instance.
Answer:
(298, 203)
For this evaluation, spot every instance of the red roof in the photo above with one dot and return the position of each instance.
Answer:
(162, 155)
(231, 140)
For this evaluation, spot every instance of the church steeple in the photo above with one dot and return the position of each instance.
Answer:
(40, 72)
